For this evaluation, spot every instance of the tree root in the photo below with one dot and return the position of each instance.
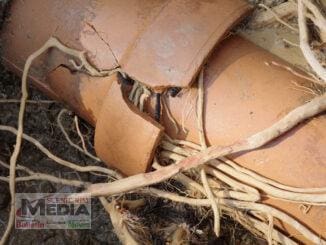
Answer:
(296, 116)
(304, 40)
(40, 176)
(279, 19)
(83, 150)
(296, 73)
(89, 168)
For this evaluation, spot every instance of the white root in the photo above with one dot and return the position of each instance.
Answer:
(50, 178)
(214, 202)
(304, 42)
(254, 224)
(279, 215)
(276, 235)
(283, 11)
(176, 153)
(315, 198)
(166, 145)
(312, 108)
(170, 149)
(272, 182)
(83, 150)
(14, 101)
(81, 137)
(143, 97)
(244, 206)
(278, 18)
(200, 111)
(41, 176)
(184, 180)
(288, 68)
(202, 140)
(188, 144)
(118, 222)
(318, 19)
(234, 183)
(219, 175)
(138, 93)
(133, 91)
(60, 161)
(169, 115)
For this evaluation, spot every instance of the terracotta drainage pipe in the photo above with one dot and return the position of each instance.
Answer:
(243, 94)
(159, 43)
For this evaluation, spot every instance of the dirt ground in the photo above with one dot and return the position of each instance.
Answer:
(40, 122)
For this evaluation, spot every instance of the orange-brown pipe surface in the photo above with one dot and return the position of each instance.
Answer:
(160, 43)
(244, 95)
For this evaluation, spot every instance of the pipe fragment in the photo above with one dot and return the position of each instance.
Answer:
(124, 137)
(160, 43)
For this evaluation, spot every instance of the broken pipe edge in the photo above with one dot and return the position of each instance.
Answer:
(125, 138)
(244, 94)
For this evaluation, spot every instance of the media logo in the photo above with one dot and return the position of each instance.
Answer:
(52, 211)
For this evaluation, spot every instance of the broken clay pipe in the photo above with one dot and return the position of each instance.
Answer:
(243, 94)
(160, 43)
(239, 102)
